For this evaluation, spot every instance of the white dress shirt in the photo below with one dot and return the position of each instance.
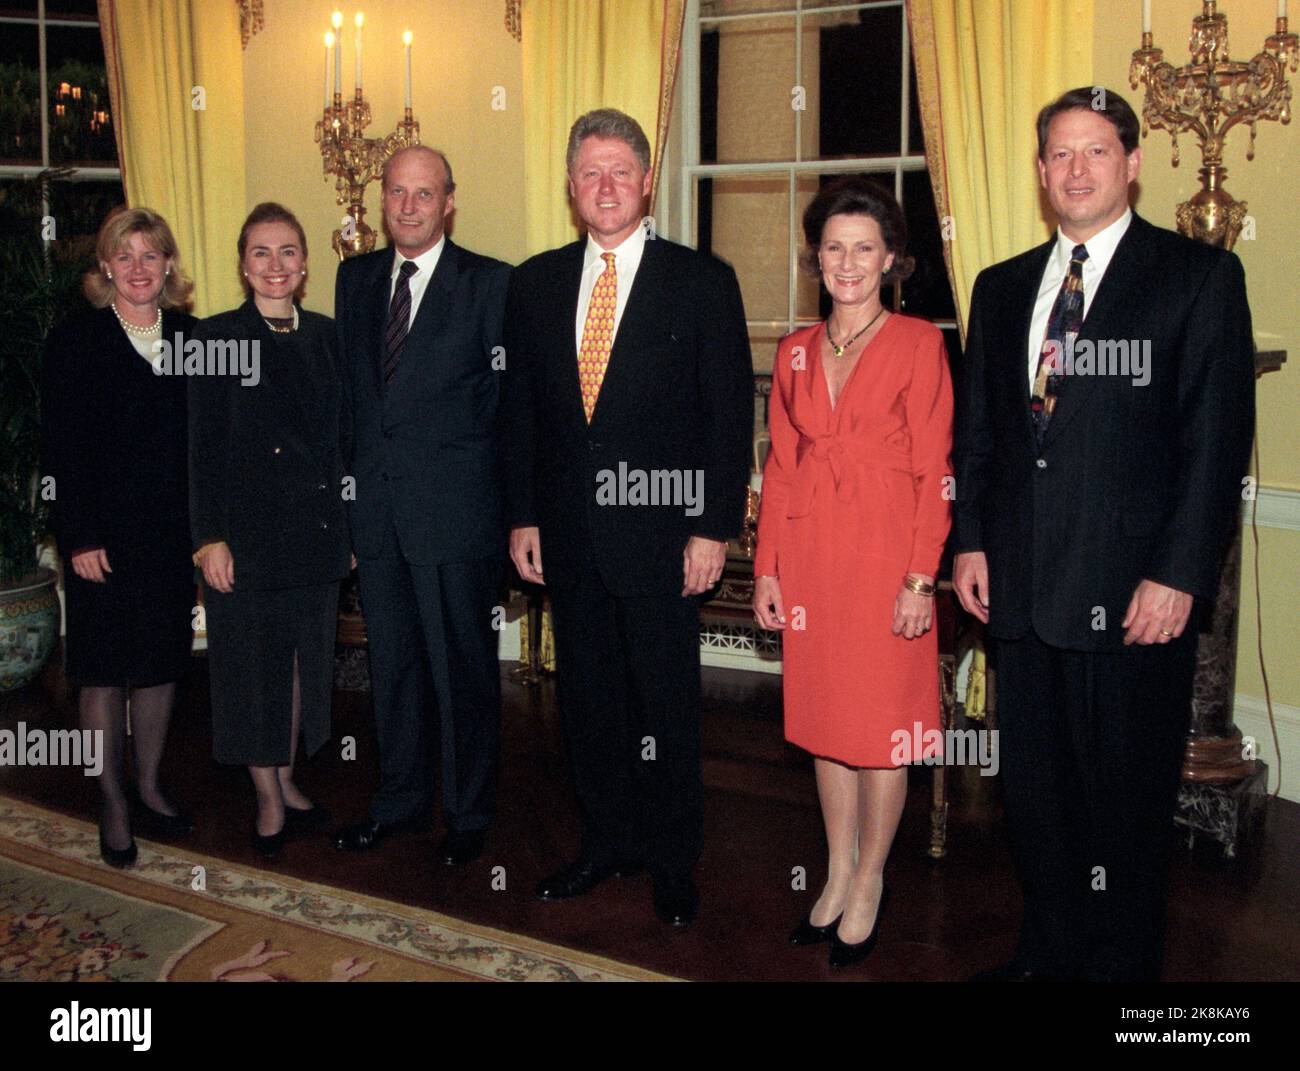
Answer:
(627, 258)
(1101, 248)
(424, 263)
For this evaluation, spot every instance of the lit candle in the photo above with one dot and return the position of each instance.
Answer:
(1146, 16)
(329, 47)
(337, 20)
(406, 40)
(359, 20)
(1281, 9)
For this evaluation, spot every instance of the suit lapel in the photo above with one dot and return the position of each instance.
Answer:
(569, 285)
(637, 324)
(1021, 317)
(375, 301)
(434, 310)
(1126, 274)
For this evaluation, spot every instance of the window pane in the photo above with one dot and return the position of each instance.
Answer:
(81, 126)
(927, 293)
(744, 7)
(747, 91)
(20, 97)
(72, 9)
(25, 9)
(859, 77)
(745, 220)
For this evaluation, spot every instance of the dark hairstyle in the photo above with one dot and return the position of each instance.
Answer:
(857, 196)
(1105, 102)
(271, 212)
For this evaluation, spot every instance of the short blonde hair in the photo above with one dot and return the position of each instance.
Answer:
(114, 233)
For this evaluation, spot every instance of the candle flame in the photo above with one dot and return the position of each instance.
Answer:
(406, 38)
(329, 39)
(359, 19)
(337, 20)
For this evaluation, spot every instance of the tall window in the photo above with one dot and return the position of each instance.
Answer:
(55, 120)
(778, 98)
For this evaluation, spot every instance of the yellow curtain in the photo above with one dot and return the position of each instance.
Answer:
(584, 54)
(175, 76)
(983, 70)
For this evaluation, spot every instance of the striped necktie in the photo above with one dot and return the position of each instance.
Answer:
(1063, 325)
(399, 319)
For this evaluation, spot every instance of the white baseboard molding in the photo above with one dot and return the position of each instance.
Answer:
(1278, 508)
(1250, 713)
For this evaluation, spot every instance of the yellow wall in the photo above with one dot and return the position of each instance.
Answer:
(461, 52)
(1272, 263)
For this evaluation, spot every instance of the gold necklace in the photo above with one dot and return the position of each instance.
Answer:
(840, 350)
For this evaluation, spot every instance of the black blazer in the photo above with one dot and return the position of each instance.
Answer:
(423, 448)
(1132, 482)
(677, 395)
(266, 470)
(113, 438)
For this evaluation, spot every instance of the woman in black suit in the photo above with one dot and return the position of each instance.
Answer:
(114, 440)
(268, 521)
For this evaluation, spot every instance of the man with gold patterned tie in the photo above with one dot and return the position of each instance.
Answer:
(627, 421)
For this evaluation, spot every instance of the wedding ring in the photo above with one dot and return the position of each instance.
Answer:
(1165, 632)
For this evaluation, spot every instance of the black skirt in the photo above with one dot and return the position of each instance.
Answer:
(253, 635)
(133, 630)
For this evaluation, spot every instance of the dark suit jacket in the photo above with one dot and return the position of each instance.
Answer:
(113, 438)
(266, 469)
(424, 446)
(677, 396)
(1132, 482)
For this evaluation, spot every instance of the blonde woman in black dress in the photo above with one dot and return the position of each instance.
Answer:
(269, 528)
(114, 440)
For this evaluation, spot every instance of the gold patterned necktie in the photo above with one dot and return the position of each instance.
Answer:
(598, 335)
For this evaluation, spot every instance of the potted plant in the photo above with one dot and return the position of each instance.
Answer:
(35, 289)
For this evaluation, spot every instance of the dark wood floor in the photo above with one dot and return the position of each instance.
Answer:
(947, 918)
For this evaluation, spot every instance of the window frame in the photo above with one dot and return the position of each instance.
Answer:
(687, 171)
(30, 171)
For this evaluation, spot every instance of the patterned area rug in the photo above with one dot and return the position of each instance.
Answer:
(66, 916)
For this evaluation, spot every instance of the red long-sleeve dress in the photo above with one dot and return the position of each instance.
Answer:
(854, 498)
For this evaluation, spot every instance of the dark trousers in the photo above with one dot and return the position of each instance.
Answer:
(443, 613)
(1091, 746)
(629, 690)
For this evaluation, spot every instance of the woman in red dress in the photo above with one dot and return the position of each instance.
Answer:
(855, 512)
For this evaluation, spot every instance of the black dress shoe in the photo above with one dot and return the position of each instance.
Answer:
(459, 849)
(808, 934)
(581, 877)
(369, 834)
(306, 819)
(846, 955)
(158, 823)
(118, 857)
(677, 905)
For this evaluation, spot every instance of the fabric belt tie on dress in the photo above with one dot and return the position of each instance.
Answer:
(827, 456)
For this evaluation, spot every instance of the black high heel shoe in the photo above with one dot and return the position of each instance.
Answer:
(268, 846)
(118, 857)
(808, 934)
(846, 955)
(159, 823)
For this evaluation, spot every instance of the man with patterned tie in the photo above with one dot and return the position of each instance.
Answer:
(1104, 421)
(420, 333)
(628, 366)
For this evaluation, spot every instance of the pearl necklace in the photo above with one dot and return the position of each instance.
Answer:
(136, 330)
(283, 330)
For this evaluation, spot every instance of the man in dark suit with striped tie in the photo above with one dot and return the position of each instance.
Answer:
(1104, 421)
(419, 335)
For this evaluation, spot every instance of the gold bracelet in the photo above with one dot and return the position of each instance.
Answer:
(916, 584)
